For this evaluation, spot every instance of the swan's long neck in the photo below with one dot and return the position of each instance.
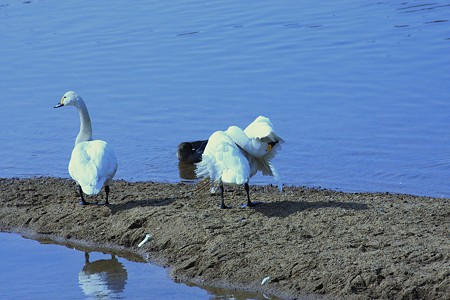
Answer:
(85, 133)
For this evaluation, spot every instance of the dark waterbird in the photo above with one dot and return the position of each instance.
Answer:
(191, 152)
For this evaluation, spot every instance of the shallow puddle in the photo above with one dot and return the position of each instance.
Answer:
(40, 270)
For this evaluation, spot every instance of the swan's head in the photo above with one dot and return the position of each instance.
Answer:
(69, 98)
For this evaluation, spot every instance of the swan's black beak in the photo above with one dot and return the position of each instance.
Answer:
(58, 105)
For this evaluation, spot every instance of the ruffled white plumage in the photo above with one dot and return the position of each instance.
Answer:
(262, 129)
(235, 155)
(223, 161)
(255, 140)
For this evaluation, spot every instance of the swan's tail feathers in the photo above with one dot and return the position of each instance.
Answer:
(202, 169)
(276, 175)
(208, 168)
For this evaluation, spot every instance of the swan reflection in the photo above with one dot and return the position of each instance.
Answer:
(102, 278)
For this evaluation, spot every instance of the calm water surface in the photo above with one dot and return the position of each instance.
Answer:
(359, 90)
(31, 270)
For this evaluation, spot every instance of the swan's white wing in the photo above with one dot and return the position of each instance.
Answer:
(262, 128)
(223, 161)
(82, 170)
(259, 128)
(93, 163)
(254, 147)
(106, 163)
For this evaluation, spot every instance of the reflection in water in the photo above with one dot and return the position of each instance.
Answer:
(102, 278)
(187, 170)
(106, 278)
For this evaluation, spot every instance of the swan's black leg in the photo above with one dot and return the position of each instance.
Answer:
(222, 204)
(249, 203)
(247, 190)
(82, 197)
(107, 194)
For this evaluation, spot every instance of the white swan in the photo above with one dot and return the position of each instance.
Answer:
(231, 157)
(262, 134)
(93, 163)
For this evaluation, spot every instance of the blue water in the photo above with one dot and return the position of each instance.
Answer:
(45, 271)
(33, 270)
(360, 90)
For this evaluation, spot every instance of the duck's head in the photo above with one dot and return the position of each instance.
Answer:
(184, 150)
(69, 98)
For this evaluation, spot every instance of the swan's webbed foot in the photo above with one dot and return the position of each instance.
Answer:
(250, 204)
